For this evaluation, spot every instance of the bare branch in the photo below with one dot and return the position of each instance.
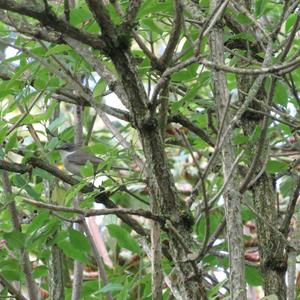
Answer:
(97, 212)
(11, 289)
(166, 58)
(177, 118)
(103, 19)
(290, 209)
(131, 13)
(48, 18)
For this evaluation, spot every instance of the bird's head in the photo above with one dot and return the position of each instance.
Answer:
(68, 147)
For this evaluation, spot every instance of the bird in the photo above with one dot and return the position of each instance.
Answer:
(73, 158)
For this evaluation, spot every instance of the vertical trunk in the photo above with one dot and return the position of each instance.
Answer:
(56, 266)
(271, 249)
(272, 254)
(157, 278)
(146, 122)
(56, 274)
(231, 196)
(78, 265)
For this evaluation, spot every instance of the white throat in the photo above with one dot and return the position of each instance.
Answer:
(64, 154)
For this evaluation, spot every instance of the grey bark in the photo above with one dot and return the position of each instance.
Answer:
(56, 274)
(231, 196)
(78, 265)
(56, 265)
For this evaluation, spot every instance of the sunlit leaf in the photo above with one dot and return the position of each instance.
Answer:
(79, 240)
(123, 238)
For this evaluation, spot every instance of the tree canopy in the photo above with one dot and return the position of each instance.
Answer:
(196, 103)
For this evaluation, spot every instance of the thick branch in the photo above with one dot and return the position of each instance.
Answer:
(131, 13)
(102, 17)
(48, 18)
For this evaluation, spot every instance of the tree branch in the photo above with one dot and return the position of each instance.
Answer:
(185, 122)
(174, 34)
(97, 212)
(48, 18)
(11, 289)
(131, 13)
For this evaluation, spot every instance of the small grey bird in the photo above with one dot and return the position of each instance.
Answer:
(74, 158)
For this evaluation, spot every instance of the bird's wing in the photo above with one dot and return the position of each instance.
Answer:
(80, 157)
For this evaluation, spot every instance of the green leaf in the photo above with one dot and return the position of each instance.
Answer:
(43, 234)
(71, 251)
(243, 19)
(73, 191)
(240, 139)
(290, 22)
(19, 181)
(40, 83)
(67, 134)
(37, 222)
(40, 271)
(253, 276)
(10, 264)
(112, 287)
(151, 6)
(78, 15)
(256, 134)
(54, 82)
(281, 94)
(286, 186)
(32, 192)
(58, 49)
(100, 148)
(41, 173)
(57, 122)
(123, 238)
(274, 166)
(52, 144)
(12, 142)
(15, 239)
(99, 88)
(191, 93)
(214, 218)
(79, 240)
(3, 131)
(11, 275)
(213, 291)
(260, 7)
(150, 24)
(87, 170)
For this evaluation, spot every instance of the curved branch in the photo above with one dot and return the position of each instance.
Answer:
(174, 35)
(131, 14)
(48, 18)
(102, 17)
(97, 212)
(177, 118)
